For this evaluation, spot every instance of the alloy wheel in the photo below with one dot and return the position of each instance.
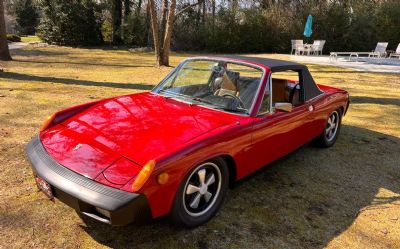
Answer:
(202, 189)
(332, 126)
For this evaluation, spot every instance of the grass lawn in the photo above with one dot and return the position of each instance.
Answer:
(30, 38)
(347, 196)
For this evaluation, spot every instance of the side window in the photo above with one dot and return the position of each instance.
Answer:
(286, 87)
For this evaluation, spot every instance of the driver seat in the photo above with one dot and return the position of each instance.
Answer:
(226, 86)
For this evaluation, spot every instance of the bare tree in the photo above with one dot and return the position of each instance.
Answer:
(4, 52)
(162, 47)
(154, 27)
(162, 34)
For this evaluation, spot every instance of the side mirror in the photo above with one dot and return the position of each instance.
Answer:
(285, 107)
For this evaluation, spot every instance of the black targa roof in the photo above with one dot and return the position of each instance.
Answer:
(311, 89)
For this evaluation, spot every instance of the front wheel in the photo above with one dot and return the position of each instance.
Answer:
(201, 194)
(331, 131)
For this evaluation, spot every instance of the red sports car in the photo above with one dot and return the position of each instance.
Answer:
(177, 149)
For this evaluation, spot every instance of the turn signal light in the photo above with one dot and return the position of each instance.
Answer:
(143, 175)
(162, 178)
(47, 122)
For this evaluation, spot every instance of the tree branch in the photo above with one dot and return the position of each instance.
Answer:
(188, 7)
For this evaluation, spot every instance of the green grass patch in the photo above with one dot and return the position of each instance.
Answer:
(31, 38)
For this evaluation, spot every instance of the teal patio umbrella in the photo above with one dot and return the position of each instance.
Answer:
(308, 27)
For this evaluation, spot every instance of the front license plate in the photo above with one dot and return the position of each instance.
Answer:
(44, 187)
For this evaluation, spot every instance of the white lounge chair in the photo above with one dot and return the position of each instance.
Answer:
(317, 47)
(397, 53)
(297, 47)
(380, 50)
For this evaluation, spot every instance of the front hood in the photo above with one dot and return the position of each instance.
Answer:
(139, 127)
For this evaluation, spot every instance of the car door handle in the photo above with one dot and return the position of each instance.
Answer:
(311, 108)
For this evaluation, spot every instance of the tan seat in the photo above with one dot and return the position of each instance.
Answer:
(279, 90)
(226, 86)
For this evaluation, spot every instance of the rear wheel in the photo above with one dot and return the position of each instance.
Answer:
(331, 131)
(201, 194)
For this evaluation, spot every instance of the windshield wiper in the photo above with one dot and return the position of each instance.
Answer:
(182, 97)
(220, 107)
(202, 101)
(241, 110)
(171, 94)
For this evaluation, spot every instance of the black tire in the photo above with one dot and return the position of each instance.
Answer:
(185, 212)
(330, 135)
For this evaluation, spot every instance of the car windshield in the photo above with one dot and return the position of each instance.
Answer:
(216, 84)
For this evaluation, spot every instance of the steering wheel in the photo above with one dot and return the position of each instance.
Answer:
(235, 98)
(292, 92)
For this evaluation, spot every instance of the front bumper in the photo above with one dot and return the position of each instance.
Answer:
(84, 194)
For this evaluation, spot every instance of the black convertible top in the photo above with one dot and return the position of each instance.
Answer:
(274, 65)
(311, 90)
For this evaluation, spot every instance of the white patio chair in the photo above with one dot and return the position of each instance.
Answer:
(297, 46)
(317, 47)
(293, 42)
(380, 50)
(397, 53)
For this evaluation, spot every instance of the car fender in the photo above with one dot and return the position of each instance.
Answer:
(181, 163)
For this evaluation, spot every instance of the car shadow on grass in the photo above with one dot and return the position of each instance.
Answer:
(114, 65)
(303, 200)
(371, 100)
(30, 52)
(27, 77)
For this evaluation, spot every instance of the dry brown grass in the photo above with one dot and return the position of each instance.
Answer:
(347, 196)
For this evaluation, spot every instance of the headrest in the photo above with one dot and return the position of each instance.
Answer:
(225, 83)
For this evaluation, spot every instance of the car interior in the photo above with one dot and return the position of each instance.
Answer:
(286, 88)
(230, 89)
(231, 85)
(286, 91)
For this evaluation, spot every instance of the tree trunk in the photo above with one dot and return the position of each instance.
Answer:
(138, 8)
(127, 10)
(213, 16)
(4, 52)
(148, 33)
(162, 45)
(168, 33)
(164, 13)
(203, 16)
(155, 29)
(116, 19)
(198, 17)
